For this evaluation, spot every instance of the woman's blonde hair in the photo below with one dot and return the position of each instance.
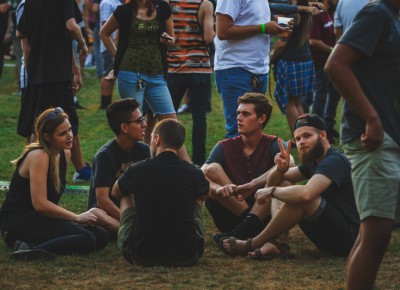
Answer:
(46, 123)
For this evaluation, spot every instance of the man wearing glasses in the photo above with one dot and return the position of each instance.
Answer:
(111, 160)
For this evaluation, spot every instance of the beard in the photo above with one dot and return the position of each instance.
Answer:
(313, 154)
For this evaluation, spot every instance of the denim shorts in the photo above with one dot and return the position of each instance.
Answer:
(153, 90)
(376, 177)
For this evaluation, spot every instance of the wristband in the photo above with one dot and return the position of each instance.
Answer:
(263, 28)
(330, 48)
(272, 192)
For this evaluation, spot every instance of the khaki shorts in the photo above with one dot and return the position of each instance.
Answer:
(127, 223)
(376, 177)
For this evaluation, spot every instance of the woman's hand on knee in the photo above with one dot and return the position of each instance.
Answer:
(87, 218)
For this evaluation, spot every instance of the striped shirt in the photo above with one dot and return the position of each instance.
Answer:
(190, 53)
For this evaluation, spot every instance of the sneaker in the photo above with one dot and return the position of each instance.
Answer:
(32, 254)
(184, 109)
(83, 174)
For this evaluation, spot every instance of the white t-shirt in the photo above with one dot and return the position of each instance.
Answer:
(106, 8)
(251, 53)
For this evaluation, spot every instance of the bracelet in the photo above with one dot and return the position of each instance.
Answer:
(279, 170)
(263, 28)
(272, 192)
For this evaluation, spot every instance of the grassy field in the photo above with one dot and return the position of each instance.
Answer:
(108, 270)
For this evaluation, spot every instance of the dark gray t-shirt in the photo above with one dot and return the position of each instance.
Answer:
(109, 163)
(375, 33)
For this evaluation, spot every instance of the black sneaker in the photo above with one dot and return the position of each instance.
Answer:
(19, 245)
(78, 106)
(32, 254)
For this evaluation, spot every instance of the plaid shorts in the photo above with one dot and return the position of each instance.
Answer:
(293, 78)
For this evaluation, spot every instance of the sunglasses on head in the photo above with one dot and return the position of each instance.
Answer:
(54, 114)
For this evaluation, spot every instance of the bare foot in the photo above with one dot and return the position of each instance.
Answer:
(267, 248)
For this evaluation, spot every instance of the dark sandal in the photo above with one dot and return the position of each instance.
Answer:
(233, 244)
(284, 253)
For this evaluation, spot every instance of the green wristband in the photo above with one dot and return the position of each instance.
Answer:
(263, 28)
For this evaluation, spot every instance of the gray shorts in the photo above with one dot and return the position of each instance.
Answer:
(376, 177)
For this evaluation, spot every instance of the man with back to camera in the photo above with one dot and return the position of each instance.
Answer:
(112, 159)
(161, 221)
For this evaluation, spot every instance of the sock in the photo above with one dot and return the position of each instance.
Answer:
(244, 213)
(105, 101)
(250, 227)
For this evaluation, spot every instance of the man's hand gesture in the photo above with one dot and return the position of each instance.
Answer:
(282, 159)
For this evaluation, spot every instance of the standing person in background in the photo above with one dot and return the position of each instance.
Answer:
(4, 28)
(30, 218)
(322, 40)
(189, 66)
(365, 68)
(294, 68)
(53, 77)
(145, 29)
(94, 8)
(241, 52)
(106, 8)
(346, 10)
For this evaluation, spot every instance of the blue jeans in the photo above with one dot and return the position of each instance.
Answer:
(233, 83)
(153, 90)
(199, 86)
(326, 98)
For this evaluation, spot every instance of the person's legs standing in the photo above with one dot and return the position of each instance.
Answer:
(233, 83)
(106, 85)
(200, 91)
(97, 54)
(321, 92)
(376, 181)
(330, 109)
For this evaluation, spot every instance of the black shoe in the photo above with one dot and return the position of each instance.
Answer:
(32, 254)
(79, 106)
(19, 245)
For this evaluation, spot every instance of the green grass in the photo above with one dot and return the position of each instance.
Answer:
(108, 270)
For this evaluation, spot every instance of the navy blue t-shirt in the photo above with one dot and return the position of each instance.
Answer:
(339, 194)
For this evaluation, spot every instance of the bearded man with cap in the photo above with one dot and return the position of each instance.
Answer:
(324, 207)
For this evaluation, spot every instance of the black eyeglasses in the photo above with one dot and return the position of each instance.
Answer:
(138, 121)
(53, 115)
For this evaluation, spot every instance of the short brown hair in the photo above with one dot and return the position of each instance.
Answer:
(261, 104)
(119, 112)
(171, 132)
